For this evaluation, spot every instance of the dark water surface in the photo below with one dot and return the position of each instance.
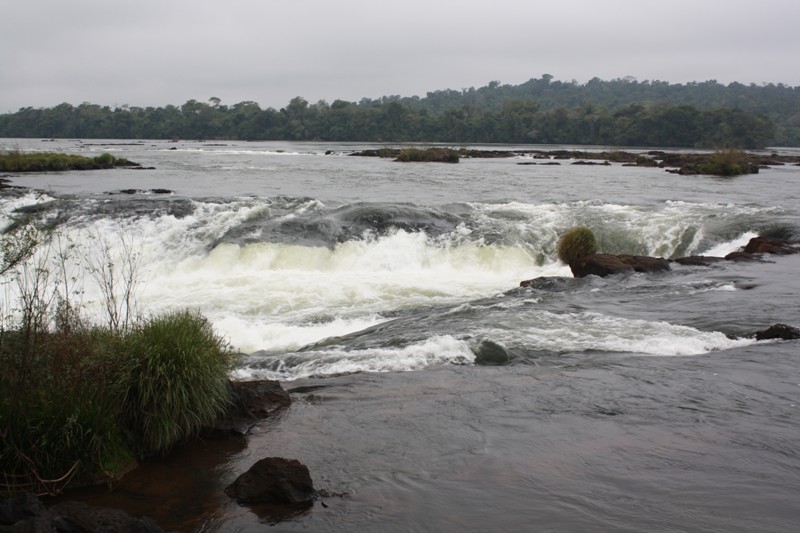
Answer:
(633, 403)
(601, 442)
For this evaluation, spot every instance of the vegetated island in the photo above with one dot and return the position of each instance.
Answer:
(729, 162)
(16, 161)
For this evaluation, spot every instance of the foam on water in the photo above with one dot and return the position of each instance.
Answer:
(724, 248)
(438, 350)
(282, 296)
(285, 296)
(587, 331)
(547, 333)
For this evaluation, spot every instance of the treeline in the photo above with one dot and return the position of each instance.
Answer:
(620, 112)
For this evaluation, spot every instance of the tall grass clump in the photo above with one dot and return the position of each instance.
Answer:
(576, 243)
(173, 379)
(83, 401)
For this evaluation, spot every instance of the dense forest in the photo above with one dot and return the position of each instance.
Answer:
(621, 112)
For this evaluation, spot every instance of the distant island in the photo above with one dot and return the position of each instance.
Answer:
(16, 161)
(621, 112)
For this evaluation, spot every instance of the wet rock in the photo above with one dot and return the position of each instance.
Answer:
(25, 512)
(548, 283)
(252, 401)
(771, 245)
(490, 353)
(742, 257)
(778, 331)
(273, 480)
(607, 264)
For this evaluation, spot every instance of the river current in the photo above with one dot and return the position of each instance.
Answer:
(366, 287)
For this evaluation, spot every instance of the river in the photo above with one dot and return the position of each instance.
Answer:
(366, 287)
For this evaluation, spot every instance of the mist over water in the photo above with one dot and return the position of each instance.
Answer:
(342, 275)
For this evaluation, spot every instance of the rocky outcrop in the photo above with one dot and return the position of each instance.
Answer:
(273, 480)
(25, 512)
(607, 264)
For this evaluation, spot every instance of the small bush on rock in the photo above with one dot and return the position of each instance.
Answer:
(576, 243)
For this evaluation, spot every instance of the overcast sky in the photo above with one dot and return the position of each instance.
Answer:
(159, 52)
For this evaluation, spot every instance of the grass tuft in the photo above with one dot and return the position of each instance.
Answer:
(173, 379)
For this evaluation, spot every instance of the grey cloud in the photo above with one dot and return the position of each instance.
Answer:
(156, 53)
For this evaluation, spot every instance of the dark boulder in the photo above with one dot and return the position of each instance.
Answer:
(778, 331)
(489, 353)
(273, 480)
(607, 264)
(252, 401)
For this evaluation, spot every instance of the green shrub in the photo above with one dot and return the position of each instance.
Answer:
(576, 243)
(105, 159)
(173, 380)
(58, 418)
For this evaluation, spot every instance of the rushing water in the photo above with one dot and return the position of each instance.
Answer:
(629, 403)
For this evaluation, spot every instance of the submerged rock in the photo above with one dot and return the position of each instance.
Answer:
(273, 480)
